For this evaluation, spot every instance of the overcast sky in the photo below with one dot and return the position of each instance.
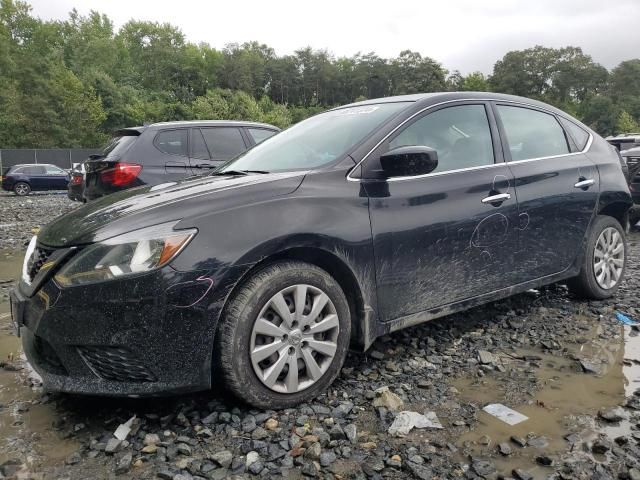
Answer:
(467, 35)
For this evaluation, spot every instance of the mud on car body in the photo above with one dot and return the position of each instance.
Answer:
(357, 222)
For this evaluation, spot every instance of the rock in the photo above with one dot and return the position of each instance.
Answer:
(406, 421)
(486, 358)
(271, 424)
(395, 461)
(184, 449)
(612, 415)
(376, 355)
(327, 458)
(504, 449)
(521, 474)
(633, 474)
(309, 469)
(151, 439)
(259, 433)
(248, 424)
(386, 398)
(590, 367)
(350, 432)
(537, 442)
(313, 451)
(223, 458)
(124, 463)
(251, 458)
(256, 467)
(112, 445)
(521, 442)
(484, 468)
(420, 471)
(165, 474)
(600, 447)
(544, 460)
(336, 433)
(150, 449)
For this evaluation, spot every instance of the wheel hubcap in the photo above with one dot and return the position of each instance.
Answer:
(608, 258)
(294, 339)
(21, 189)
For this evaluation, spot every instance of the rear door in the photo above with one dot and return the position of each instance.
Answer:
(556, 185)
(221, 143)
(174, 163)
(58, 179)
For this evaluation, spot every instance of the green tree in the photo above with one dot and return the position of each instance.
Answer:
(626, 123)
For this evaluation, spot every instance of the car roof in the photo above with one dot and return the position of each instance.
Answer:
(426, 99)
(218, 123)
(35, 165)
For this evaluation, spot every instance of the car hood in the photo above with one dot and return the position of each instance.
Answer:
(129, 210)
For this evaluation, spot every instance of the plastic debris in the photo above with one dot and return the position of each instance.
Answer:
(624, 319)
(123, 430)
(504, 413)
(406, 421)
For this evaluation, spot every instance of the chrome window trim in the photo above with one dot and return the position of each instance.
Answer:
(528, 105)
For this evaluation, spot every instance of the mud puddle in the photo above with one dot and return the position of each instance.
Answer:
(26, 424)
(566, 401)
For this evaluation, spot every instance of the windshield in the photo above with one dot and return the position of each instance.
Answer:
(316, 141)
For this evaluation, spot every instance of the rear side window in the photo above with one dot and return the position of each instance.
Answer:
(173, 142)
(260, 134)
(531, 133)
(578, 134)
(16, 170)
(34, 170)
(461, 135)
(223, 143)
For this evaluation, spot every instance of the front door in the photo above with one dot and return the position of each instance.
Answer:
(557, 188)
(451, 234)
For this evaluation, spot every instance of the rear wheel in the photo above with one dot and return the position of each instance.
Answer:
(604, 263)
(21, 189)
(284, 335)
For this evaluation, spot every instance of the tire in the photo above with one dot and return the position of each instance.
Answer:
(240, 334)
(22, 189)
(588, 283)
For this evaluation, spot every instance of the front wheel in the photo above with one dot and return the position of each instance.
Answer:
(284, 335)
(604, 262)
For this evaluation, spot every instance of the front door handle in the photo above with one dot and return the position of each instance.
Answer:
(500, 197)
(586, 183)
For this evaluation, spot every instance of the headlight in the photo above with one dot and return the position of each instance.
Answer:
(135, 252)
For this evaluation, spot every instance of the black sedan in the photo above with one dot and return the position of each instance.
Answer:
(354, 223)
(23, 179)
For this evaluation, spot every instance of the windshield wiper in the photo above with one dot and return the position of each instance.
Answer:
(238, 172)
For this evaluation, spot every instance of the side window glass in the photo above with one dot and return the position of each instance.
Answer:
(260, 134)
(35, 170)
(532, 134)
(579, 135)
(223, 143)
(51, 170)
(461, 135)
(173, 142)
(198, 148)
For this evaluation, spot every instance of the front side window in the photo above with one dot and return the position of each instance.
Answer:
(198, 148)
(173, 142)
(531, 133)
(461, 135)
(223, 143)
(317, 141)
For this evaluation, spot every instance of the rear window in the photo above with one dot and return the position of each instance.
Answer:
(260, 134)
(118, 145)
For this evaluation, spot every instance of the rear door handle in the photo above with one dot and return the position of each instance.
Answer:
(585, 183)
(500, 197)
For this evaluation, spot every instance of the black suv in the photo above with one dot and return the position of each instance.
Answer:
(349, 225)
(166, 152)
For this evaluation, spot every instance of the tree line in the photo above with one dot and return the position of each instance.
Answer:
(71, 83)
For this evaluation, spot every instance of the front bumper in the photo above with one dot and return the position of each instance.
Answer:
(151, 334)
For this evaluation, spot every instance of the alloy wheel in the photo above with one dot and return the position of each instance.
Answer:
(608, 258)
(21, 189)
(294, 338)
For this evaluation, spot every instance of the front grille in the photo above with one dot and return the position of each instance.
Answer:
(116, 363)
(37, 259)
(49, 359)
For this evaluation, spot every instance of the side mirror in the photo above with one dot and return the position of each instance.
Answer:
(409, 161)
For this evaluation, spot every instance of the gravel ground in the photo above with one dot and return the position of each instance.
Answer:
(21, 217)
(512, 351)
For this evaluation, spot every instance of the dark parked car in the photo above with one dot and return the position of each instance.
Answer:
(75, 189)
(629, 147)
(27, 178)
(352, 224)
(167, 152)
